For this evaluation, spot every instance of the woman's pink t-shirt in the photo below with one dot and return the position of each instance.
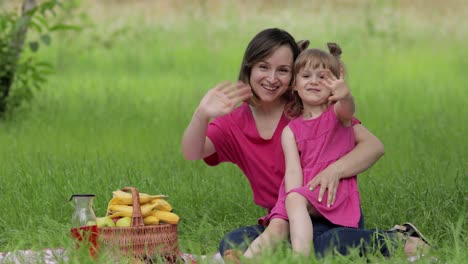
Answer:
(236, 139)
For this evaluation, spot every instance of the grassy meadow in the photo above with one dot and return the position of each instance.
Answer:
(124, 89)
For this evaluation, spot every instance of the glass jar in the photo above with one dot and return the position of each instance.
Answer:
(83, 223)
(84, 213)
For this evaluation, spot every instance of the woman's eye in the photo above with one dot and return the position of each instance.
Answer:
(284, 70)
(262, 66)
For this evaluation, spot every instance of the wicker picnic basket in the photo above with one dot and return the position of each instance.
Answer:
(139, 240)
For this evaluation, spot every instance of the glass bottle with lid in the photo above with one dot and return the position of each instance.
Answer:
(84, 213)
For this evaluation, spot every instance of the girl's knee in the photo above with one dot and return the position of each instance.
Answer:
(296, 198)
(278, 227)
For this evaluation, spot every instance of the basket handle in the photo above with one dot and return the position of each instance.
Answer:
(137, 219)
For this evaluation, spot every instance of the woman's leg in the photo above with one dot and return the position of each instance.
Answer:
(342, 239)
(368, 241)
(277, 231)
(240, 238)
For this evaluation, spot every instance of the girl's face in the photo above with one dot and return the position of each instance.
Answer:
(271, 77)
(309, 88)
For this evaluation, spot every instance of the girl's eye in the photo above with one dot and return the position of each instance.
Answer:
(261, 66)
(305, 76)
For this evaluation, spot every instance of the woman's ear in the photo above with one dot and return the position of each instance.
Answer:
(303, 44)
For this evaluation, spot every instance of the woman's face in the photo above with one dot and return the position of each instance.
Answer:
(271, 76)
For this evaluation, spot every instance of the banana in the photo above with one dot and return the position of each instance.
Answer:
(166, 217)
(121, 197)
(162, 205)
(151, 220)
(120, 214)
(128, 210)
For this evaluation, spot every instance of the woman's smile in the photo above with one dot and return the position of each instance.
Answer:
(270, 87)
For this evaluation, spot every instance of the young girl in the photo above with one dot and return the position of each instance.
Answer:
(321, 134)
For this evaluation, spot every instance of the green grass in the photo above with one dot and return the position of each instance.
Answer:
(113, 116)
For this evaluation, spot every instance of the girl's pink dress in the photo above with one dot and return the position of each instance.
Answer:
(320, 142)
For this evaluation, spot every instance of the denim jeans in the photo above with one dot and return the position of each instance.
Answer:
(327, 238)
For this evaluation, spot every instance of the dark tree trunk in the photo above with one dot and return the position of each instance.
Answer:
(18, 39)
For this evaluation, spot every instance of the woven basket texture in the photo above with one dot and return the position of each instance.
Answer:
(140, 240)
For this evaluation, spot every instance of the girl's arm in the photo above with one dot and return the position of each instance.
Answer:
(293, 175)
(367, 151)
(340, 92)
(220, 100)
(345, 109)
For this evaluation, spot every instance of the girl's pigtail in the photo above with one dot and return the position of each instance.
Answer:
(303, 44)
(334, 49)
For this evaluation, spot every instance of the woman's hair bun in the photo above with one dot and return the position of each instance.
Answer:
(303, 44)
(334, 49)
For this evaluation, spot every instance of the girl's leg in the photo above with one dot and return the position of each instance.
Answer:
(277, 231)
(299, 211)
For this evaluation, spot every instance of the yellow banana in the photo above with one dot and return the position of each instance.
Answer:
(166, 217)
(151, 220)
(127, 209)
(162, 204)
(121, 197)
(129, 200)
(120, 214)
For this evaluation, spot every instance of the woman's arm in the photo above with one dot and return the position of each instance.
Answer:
(293, 177)
(195, 144)
(220, 100)
(367, 151)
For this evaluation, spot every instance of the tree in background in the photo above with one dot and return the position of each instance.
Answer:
(20, 74)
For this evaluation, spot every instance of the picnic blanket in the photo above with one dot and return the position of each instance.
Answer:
(59, 255)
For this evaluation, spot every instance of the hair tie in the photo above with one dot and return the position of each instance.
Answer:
(334, 49)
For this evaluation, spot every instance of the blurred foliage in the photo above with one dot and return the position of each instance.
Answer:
(21, 72)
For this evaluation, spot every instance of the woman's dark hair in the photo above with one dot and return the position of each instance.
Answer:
(262, 46)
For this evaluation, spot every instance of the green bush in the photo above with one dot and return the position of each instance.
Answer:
(22, 72)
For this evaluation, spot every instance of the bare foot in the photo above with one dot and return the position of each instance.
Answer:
(232, 256)
(413, 246)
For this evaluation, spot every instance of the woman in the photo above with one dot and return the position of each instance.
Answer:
(250, 137)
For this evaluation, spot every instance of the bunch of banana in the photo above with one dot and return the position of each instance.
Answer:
(154, 208)
(121, 197)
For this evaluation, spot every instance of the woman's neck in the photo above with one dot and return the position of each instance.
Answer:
(266, 109)
(267, 118)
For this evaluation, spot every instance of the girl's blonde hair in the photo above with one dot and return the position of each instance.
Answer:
(313, 59)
